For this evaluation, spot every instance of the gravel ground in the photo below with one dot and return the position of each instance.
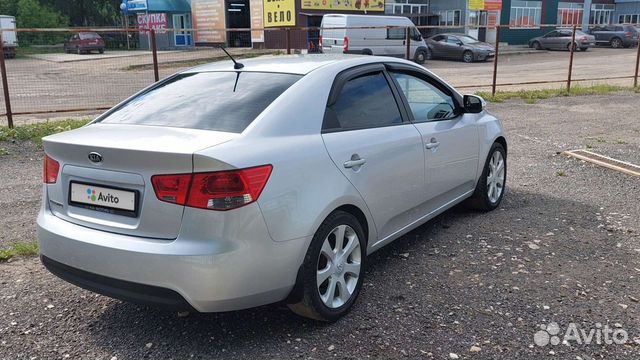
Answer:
(562, 248)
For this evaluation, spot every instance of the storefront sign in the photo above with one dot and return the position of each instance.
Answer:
(136, 5)
(475, 5)
(209, 21)
(493, 5)
(344, 5)
(279, 13)
(256, 20)
(155, 21)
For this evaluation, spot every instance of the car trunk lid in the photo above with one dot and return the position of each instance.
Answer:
(102, 162)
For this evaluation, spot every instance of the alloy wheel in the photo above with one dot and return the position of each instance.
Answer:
(468, 57)
(495, 178)
(339, 265)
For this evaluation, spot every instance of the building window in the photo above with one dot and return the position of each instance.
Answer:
(402, 7)
(449, 17)
(601, 14)
(570, 13)
(525, 13)
(629, 19)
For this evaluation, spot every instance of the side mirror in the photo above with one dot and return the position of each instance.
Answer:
(473, 104)
(460, 43)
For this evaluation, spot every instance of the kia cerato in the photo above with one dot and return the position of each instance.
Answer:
(227, 187)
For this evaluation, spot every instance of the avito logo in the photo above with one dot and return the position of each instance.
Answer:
(109, 198)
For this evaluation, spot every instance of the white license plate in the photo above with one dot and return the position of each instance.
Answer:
(103, 197)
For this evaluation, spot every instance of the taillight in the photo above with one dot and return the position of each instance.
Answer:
(50, 170)
(320, 43)
(584, 38)
(172, 188)
(219, 190)
(345, 46)
(628, 34)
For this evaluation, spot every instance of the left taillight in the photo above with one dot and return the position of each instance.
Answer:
(218, 190)
(50, 170)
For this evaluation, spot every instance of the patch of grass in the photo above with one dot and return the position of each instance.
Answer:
(601, 140)
(532, 96)
(3, 151)
(560, 173)
(621, 142)
(589, 146)
(18, 249)
(35, 132)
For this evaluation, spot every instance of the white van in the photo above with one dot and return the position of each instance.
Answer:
(345, 33)
(9, 40)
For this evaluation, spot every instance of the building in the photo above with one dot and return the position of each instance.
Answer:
(162, 15)
(627, 12)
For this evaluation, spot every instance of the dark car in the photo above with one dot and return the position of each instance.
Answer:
(616, 36)
(84, 43)
(561, 40)
(459, 47)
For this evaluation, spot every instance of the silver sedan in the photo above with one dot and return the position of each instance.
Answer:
(222, 188)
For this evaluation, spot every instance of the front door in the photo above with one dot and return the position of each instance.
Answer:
(369, 139)
(450, 137)
(181, 34)
(238, 17)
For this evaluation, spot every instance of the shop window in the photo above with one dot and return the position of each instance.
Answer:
(570, 13)
(525, 13)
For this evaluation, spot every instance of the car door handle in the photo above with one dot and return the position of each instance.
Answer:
(432, 144)
(354, 163)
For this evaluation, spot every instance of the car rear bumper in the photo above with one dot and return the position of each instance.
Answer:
(205, 273)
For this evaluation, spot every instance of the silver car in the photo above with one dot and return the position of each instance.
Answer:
(223, 188)
(561, 40)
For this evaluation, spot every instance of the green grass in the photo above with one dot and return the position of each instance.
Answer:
(3, 151)
(560, 173)
(532, 96)
(18, 249)
(35, 132)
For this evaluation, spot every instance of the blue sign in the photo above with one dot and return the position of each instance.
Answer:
(136, 5)
(124, 7)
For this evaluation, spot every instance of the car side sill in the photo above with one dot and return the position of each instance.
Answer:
(382, 242)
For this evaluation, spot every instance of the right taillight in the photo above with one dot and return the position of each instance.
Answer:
(218, 190)
(50, 170)
(345, 46)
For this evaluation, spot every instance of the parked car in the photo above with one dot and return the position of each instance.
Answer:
(561, 40)
(616, 36)
(84, 43)
(226, 187)
(459, 47)
(346, 33)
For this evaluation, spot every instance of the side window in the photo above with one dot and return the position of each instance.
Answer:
(364, 102)
(427, 102)
(396, 34)
(551, 34)
(438, 38)
(453, 40)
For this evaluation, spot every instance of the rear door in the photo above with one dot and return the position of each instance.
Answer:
(369, 139)
(450, 137)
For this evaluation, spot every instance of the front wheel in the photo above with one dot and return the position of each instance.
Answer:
(490, 188)
(420, 57)
(467, 56)
(616, 43)
(331, 275)
(536, 45)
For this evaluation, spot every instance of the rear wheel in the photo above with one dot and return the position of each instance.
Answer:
(584, 49)
(490, 188)
(575, 47)
(467, 56)
(101, 51)
(78, 51)
(616, 43)
(333, 269)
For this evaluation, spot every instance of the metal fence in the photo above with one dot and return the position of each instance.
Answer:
(55, 76)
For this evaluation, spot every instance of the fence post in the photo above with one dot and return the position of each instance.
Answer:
(154, 52)
(5, 84)
(635, 79)
(572, 47)
(288, 41)
(408, 40)
(495, 62)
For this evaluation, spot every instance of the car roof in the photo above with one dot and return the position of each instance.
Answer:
(290, 64)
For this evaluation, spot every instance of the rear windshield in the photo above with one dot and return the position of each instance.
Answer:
(89, 36)
(222, 101)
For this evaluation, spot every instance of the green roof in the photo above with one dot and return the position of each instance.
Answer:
(169, 6)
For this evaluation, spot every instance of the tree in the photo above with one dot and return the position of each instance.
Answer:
(32, 14)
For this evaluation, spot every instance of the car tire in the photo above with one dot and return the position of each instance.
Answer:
(616, 43)
(575, 47)
(536, 45)
(483, 198)
(467, 56)
(78, 51)
(584, 49)
(101, 51)
(420, 56)
(335, 268)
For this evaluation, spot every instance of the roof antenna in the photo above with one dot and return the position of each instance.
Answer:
(236, 65)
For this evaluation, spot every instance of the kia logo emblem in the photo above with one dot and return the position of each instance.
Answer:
(95, 157)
